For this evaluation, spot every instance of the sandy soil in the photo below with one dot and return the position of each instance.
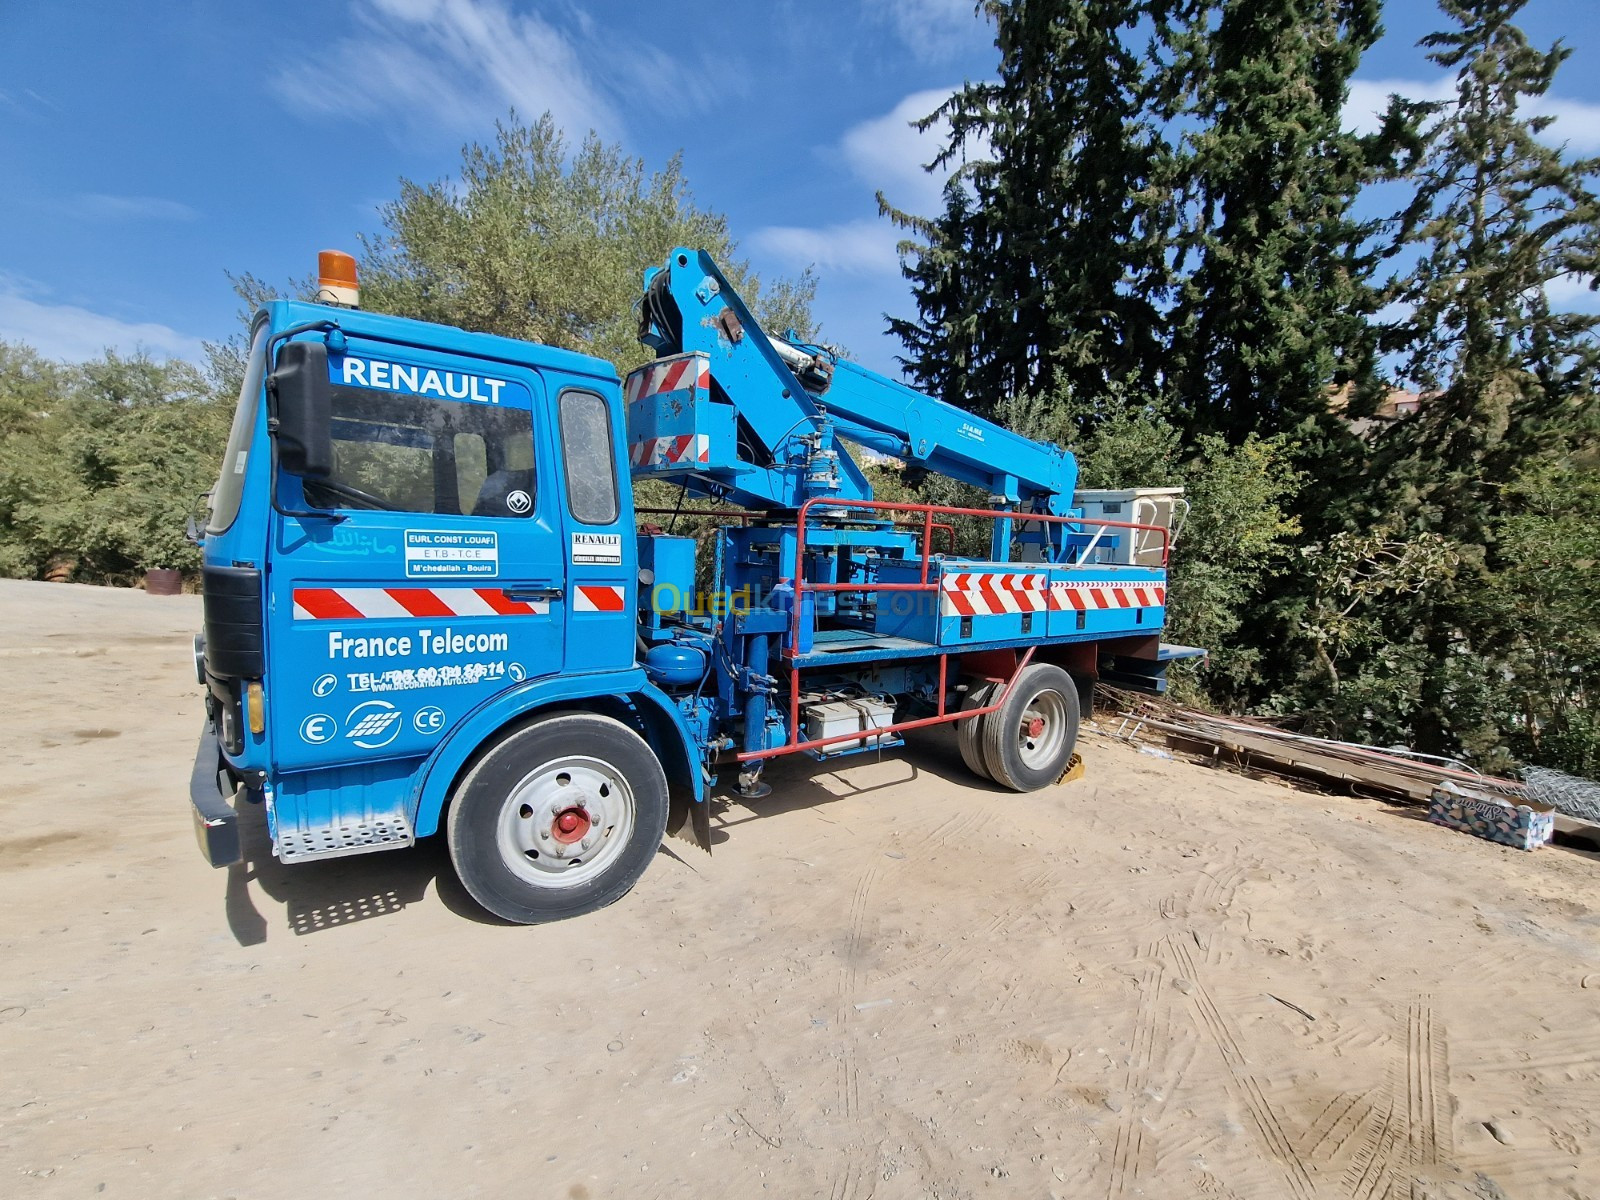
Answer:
(886, 981)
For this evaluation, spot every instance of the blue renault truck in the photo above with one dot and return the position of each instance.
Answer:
(430, 607)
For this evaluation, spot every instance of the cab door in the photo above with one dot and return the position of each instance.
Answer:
(437, 579)
(601, 547)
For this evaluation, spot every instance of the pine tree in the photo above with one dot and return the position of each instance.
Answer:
(1275, 269)
(1498, 216)
(1045, 266)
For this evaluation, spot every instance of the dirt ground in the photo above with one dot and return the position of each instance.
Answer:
(887, 981)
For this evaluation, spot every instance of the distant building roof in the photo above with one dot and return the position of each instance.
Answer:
(1397, 403)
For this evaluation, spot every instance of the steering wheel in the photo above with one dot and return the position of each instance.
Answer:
(364, 499)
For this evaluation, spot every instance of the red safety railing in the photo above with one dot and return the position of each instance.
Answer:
(801, 586)
(746, 515)
(949, 530)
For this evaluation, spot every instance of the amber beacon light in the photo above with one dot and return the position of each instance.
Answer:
(336, 279)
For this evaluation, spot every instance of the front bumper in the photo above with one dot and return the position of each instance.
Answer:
(216, 825)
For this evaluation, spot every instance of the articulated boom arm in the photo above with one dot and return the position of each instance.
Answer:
(733, 413)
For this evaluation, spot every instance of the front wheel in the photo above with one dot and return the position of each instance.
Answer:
(558, 819)
(1028, 741)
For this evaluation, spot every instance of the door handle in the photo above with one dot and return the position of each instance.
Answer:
(534, 592)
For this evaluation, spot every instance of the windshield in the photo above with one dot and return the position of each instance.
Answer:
(417, 454)
(229, 491)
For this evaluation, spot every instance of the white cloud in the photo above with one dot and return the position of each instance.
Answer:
(889, 154)
(73, 334)
(864, 247)
(1572, 291)
(1576, 123)
(99, 206)
(934, 30)
(886, 154)
(1364, 108)
(452, 65)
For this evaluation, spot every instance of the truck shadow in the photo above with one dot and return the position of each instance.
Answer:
(327, 895)
(798, 781)
(317, 896)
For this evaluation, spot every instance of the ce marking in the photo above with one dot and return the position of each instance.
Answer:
(318, 728)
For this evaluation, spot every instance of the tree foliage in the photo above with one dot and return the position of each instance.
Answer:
(1497, 216)
(1238, 532)
(1047, 262)
(531, 243)
(1156, 256)
(1154, 202)
(1272, 270)
(102, 463)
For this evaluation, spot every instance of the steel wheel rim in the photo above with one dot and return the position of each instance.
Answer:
(1042, 749)
(567, 796)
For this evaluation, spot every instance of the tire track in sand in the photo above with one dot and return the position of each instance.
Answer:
(945, 965)
(853, 1174)
(849, 1183)
(1244, 1084)
(1403, 1143)
(1128, 1153)
(1340, 1120)
(1426, 1066)
(849, 980)
(1369, 1175)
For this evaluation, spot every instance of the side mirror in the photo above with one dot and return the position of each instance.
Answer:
(302, 402)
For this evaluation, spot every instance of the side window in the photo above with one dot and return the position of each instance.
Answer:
(418, 454)
(230, 484)
(586, 451)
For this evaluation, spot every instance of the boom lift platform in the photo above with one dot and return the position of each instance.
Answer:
(427, 604)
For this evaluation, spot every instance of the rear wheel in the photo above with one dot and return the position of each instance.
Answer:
(969, 733)
(1028, 741)
(558, 819)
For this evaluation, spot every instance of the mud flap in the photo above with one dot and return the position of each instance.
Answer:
(689, 821)
(700, 819)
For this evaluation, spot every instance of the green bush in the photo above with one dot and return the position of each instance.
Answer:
(102, 463)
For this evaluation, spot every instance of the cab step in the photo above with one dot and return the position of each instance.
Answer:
(352, 834)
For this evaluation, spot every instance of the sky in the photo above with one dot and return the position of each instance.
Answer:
(147, 150)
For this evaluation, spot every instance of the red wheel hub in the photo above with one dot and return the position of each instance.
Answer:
(571, 825)
(1035, 727)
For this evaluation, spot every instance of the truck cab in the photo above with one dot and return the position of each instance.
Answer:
(419, 536)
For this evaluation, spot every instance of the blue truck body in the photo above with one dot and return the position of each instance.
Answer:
(423, 558)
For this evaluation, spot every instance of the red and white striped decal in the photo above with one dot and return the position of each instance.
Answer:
(990, 593)
(1102, 593)
(670, 451)
(597, 597)
(357, 604)
(675, 374)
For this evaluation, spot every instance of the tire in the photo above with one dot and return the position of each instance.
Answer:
(969, 733)
(1028, 742)
(559, 819)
